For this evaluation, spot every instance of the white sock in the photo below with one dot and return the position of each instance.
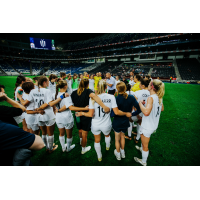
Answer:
(69, 142)
(138, 132)
(80, 140)
(130, 129)
(44, 138)
(62, 142)
(141, 146)
(133, 123)
(107, 141)
(97, 147)
(83, 148)
(50, 142)
(145, 156)
(118, 154)
(122, 151)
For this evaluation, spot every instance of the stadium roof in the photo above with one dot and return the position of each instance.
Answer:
(59, 38)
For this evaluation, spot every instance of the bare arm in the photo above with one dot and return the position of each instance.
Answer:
(86, 114)
(15, 104)
(162, 109)
(35, 112)
(52, 103)
(73, 108)
(146, 110)
(42, 107)
(38, 143)
(98, 100)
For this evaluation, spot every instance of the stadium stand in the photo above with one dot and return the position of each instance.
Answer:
(189, 68)
(7, 68)
(164, 72)
(35, 68)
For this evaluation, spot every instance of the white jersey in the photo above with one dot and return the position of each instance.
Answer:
(36, 87)
(39, 98)
(100, 118)
(151, 122)
(66, 116)
(142, 95)
(130, 93)
(30, 118)
(132, 83)
(91, 84)
(52, 87)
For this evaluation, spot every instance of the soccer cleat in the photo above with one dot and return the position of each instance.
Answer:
(107, 148)
(138, 148)
(86, 150)
(127, 137)
(140, 161)
(54, 148)
(100, 159)
(118, 157)
(71, 147)
(134, 126)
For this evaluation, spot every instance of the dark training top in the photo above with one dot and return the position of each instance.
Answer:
(7, 114)
(12, 138)
(83, 99)
(125, 105)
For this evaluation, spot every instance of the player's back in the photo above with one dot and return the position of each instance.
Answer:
(151, 122)
(100, 118)
(142, 95)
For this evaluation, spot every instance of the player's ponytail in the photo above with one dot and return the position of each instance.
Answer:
(60, 84)
(159, 87)
(83, 85)
(52, 76)
(145, 82)
(121, 88)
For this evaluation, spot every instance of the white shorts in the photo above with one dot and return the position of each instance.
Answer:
(34, 127)
(74, 89)
(18, 119)
(66, 126)
(145, 132)
(97, 130)
(47, 123)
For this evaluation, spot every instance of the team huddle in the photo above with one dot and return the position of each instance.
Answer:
(95, 100)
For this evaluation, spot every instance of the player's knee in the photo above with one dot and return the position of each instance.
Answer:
(145, 148)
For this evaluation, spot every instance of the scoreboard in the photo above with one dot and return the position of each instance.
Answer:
(39, 43)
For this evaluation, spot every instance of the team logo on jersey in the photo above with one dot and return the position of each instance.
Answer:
(42, 43)
(145, 95)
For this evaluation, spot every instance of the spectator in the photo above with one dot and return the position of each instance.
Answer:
(124, 80)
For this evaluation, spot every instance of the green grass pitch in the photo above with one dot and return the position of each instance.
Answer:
(175, 143)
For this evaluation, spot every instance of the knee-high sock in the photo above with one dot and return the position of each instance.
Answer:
(62, 142)
(69, 142)
(44, 138)
(50, 142)
(144, 156)
(130, 129)
(138, 132)
(80, 141)
(107, 141)
(97, 147)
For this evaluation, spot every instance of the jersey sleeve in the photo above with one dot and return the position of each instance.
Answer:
(68, 102)
(91, 105)
(135, 94)
(113, 102)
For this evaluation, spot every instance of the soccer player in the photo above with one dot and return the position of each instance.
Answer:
(63, 75)
(69, 83)
(91, 82)
(85, 75)
(64, 117)
(120, 124)
(136, 86)
(81, 98)
(142, 94)
(52, 84)
(97, 78)
(151, 117)
(75, 82)
(36, 82)
(41, 98)
(18, 87)
(101, 121)
(131, 82)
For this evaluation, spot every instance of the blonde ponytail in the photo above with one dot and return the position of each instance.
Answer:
(83, 85)
(121, 88)
(159, 89)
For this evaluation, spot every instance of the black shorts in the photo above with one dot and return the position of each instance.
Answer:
(85, 123)
(111, 92)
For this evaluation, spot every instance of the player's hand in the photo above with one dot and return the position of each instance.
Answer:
(128, 114)
(3, 96)
(56, 110)
(142, 102)
(106, 109)
(139, 118)
(78, 114)
(41, 112)
(66, 95)
(87, 107)
(36, 109)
